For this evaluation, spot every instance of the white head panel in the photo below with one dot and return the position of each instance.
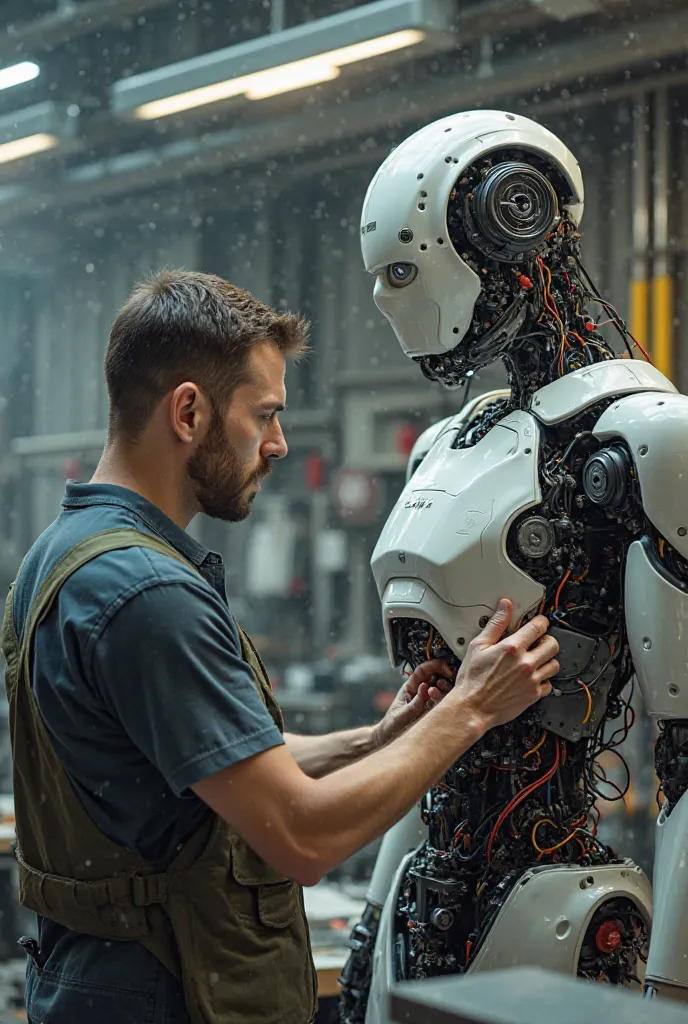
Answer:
(408, 198)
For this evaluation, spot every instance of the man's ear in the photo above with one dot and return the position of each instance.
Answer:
(190, 413)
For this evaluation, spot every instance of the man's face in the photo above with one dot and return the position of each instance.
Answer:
(238, 450)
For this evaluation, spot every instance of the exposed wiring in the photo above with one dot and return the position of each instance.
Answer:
(560, 588)
(589, 696)
(534, 750)
(520, 797)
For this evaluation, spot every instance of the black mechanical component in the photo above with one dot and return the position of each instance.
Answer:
(513, 209)
(357, 971)
(671, 760)
(535, 537)
(605, 476)
(614, 941)
(507, 219)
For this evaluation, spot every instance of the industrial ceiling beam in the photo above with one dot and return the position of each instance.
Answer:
(550, 68)
(68, 23)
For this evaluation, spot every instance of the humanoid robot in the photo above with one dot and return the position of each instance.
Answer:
(567, 493)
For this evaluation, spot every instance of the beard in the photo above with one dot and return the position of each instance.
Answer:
(220, 481)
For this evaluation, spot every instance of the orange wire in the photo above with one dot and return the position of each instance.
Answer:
(537, 746)
(589, 696)
(560, 588)
(520, 797)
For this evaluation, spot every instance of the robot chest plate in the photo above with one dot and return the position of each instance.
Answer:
(449, 527)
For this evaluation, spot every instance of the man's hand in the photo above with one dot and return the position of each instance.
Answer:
(424, 688)
(499, 679)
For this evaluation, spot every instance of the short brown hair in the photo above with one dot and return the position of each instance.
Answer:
(179, 325)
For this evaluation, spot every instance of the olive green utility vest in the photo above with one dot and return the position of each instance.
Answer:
(229, 927)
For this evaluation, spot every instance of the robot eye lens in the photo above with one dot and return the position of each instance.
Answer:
(401, 274)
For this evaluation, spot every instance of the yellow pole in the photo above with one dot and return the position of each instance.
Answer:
(640, 309)
(662, 323)
(662, 285)
(639, 295)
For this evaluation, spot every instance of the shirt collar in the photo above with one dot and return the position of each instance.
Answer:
(79, 495)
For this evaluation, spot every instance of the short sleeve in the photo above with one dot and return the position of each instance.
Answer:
(168, 667)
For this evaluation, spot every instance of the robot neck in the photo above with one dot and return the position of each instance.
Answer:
(560, 333)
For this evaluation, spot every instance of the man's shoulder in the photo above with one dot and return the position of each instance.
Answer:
(107, 581)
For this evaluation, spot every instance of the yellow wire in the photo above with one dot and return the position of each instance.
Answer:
(577, 579)
(536, 826)
(550, 849)
(568, 839)
(589, 696)
(429, 646)
(661, 547)
(537, 745)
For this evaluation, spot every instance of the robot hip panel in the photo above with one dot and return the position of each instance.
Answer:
(556, 916)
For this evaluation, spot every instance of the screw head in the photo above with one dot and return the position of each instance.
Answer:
(642, 450)
(673, 690)
(682, 531)
(406, 235)
(647, 643)
(401, 556)
(483, 621)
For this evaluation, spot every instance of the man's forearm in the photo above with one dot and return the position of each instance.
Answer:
(360, 802)
(317, 756)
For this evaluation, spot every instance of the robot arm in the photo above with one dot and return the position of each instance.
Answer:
(654, 427)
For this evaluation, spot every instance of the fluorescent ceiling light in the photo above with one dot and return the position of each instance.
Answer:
(376, 47)
(290, 76)
(296, 75)
(28, 146)
(17, 74)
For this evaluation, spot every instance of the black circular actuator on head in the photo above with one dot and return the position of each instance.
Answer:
(513, 208)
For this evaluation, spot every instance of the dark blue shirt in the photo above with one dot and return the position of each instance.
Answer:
(140, 682)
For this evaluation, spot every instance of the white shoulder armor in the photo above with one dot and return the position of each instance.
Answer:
(451, 424)
(655, 428)
(581, 389)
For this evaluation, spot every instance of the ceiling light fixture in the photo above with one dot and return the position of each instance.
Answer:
(17, 74)
(28, 146)
(284, 78)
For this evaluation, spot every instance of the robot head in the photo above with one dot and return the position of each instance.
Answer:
(450, 226)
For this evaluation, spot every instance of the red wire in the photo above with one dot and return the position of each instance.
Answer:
(560, 588)
(520, 797)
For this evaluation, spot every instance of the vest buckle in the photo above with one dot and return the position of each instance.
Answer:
(148, 889)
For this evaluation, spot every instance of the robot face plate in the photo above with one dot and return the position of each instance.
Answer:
(442, 555)
(423, 287)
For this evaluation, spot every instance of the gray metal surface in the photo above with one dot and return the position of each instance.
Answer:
(527, 996)
(69, 22)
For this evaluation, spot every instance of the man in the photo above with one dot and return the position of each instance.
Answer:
(164, 822)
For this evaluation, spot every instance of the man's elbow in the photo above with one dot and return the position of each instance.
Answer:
(308, 869)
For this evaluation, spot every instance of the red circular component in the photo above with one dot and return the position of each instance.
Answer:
(608, 937)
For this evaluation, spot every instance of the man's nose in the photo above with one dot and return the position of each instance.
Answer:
(274, 446)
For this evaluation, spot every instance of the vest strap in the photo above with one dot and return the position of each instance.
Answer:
(80, 554)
